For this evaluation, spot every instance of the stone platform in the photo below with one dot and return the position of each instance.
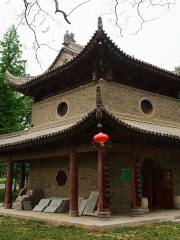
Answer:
(93, 222)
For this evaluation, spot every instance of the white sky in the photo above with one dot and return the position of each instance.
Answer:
(157, 43)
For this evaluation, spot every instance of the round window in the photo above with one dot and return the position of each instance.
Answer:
(62, 109)
(146, 106)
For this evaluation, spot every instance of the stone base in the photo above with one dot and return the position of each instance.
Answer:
(136, 212)
(177, 202)
(8, 206)
(104, 215)
(73, 214)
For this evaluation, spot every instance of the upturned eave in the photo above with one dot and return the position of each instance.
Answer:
(100, 42)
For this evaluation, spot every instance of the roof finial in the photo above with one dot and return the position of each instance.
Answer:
(68, 37)
(100, 23)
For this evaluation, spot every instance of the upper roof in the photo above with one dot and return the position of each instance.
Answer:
(69, 50)
(99, 55)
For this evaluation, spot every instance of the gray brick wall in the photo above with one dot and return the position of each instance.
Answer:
(122, 100)
(43, 172)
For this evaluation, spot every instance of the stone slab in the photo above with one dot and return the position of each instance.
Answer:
(42, 205)
(56, 202)
(22, 191)
(81, 206)
(44, 202)
(64, 206)
(91, 204)
(39, 208)
(17, 206)
(27, 205)
(50, 209)
(54, 205)
(59, 205)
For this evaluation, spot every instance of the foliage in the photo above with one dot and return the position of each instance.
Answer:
(15, 109)
(3, 167)
(177, 69)
(2, 193)
(16, 175)
(11, 228)
(2, 180)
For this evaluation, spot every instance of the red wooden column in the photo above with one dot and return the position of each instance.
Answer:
(134, 183)
(22, 175)
(103, 183)
(73, 185)
(9, 180)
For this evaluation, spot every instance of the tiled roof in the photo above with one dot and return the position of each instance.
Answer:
(72, 48)
(11, 141)
(99, 39)
(154, 129)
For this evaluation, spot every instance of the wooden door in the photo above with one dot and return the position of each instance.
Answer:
(146, 185)
(156, 187)
(167, 188)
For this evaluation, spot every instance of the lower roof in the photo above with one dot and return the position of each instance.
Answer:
(153, 129)
(9, 142)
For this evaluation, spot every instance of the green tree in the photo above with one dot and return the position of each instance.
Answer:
(177, 69)
(15, 109)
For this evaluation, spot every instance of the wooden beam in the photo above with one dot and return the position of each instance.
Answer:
(142, 149)
(88, 148)
(51, 153)
(4, 158)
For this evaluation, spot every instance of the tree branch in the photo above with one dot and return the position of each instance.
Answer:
(78, 7)
(117, 17)
(34, 16)
(61, 11)
(26, 4)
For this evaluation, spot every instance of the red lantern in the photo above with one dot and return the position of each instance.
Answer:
(101, 138)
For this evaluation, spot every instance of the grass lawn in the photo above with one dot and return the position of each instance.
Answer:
(17, 229)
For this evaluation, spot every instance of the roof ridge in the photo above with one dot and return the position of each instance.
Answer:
(99, 36)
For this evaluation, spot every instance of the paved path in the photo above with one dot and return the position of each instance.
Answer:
(94, 222)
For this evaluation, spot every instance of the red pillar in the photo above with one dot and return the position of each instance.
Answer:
(73, 185)
(9, 180)
(22, 175)
(134, 184)
(103, 183)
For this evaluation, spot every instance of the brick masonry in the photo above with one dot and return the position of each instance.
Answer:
(122, 101)
(80, 101)
(121, 197)
(121, 194)
(44, 177)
